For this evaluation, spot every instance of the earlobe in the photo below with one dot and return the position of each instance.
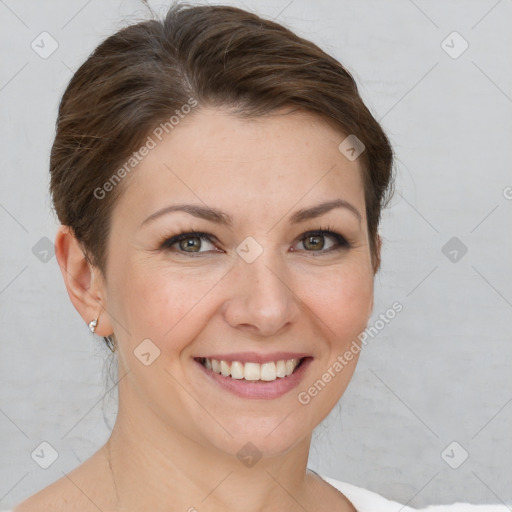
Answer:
(82, 281)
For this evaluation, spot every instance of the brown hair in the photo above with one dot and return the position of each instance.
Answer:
(218, 55)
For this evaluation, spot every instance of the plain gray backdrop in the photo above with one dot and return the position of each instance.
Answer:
(428, 415)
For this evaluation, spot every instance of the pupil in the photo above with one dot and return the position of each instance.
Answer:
(315, 241)
(189, 242)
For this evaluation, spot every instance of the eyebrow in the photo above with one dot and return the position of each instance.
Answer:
(220, 217)
(320, 209)
(203, 212)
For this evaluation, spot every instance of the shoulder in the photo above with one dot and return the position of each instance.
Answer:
(85, 488)
(54, 498)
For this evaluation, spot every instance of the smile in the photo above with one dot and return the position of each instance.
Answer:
(252, 371)
(249, 375)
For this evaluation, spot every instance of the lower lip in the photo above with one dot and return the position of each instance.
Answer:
(262, 390)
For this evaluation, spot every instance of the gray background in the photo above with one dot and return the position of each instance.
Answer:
(436, 374)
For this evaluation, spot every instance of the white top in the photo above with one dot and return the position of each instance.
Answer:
(364, 500)
(368, 501)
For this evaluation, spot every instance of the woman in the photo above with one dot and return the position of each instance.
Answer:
(219, 182)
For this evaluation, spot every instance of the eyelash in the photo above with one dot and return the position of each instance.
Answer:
(341, 241)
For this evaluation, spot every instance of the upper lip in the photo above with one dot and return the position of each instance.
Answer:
(255, 357)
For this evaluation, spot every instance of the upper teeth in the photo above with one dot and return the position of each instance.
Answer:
(252, 371)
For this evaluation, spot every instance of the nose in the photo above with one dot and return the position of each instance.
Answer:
(262, 301)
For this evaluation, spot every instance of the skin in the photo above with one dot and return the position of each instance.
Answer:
(176, 436)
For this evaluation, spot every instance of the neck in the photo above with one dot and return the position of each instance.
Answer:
(155, 468)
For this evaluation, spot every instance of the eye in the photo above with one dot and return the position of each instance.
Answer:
(320, 241)
(188, 242)
(315, 241)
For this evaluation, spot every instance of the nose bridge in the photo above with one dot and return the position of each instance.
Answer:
(262, 299)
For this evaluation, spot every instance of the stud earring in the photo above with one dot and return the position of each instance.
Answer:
(92, 325)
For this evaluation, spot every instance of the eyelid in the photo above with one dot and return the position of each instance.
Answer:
(169, 241)
(341, 241)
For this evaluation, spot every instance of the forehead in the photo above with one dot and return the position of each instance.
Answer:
(221, 159)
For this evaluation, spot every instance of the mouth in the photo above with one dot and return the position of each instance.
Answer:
(244, 377)
(252, 371)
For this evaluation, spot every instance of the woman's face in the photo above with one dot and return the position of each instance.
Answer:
(255, 287)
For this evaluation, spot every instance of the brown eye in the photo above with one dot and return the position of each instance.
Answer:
(192, 243)
(314, 242)
(318, 241)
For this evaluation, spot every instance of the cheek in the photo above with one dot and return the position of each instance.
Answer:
(164, 306)
(342, 299)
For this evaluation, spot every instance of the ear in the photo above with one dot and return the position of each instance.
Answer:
(378, 247)
(83, 281)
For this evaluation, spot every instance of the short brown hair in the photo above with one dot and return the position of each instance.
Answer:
(219, 55)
